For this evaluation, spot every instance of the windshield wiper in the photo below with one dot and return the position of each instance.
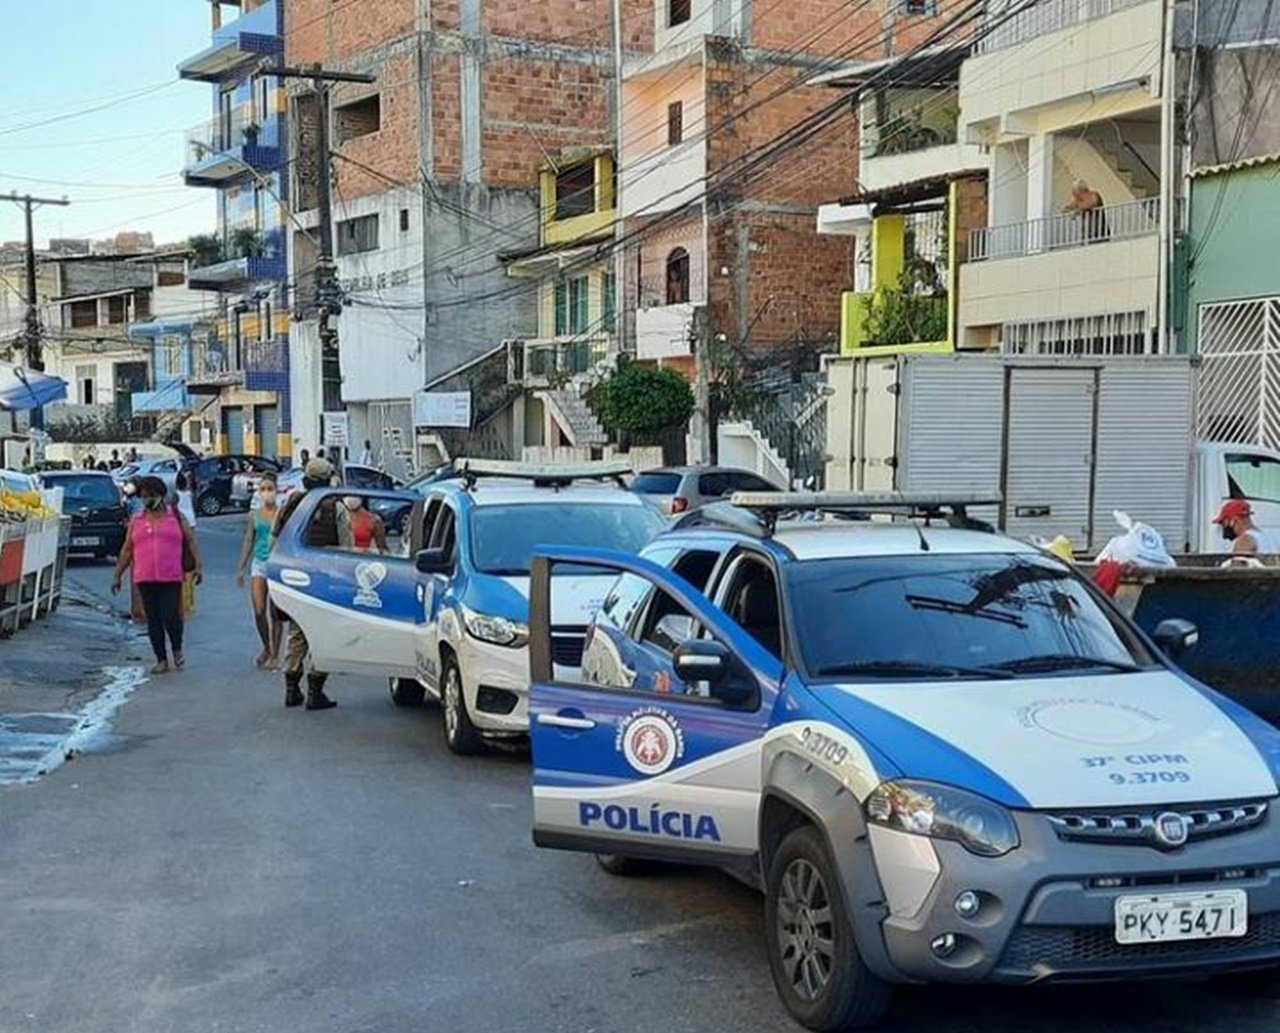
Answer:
(1066, 662)
(918, 668)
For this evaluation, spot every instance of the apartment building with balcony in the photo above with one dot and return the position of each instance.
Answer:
(241, 377)
(996, 133)
(438, 173)
(724, 79)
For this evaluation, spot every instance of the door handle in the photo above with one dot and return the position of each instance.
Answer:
(578, 724)
(295, 578)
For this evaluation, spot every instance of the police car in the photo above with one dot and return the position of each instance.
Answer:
(942, 754)
(449, 617)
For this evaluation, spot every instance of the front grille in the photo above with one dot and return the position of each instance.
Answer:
(1112, 882)
(567, 643)
(1088, 947)
(1129, 826)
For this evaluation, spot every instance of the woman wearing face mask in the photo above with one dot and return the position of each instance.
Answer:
(253, 557)
(154, 549)
(368, 533)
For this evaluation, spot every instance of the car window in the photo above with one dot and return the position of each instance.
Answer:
(962, 615)
(750, 482)
(624, 602)
(166, 466)
(713, 485)
(96, 491)
(655, 483)
(504, 537)
(360, 477)
(696, 566)
(444, 534)
(751, 601)
(1254, 477)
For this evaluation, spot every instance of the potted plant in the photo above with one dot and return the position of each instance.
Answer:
(250, 131)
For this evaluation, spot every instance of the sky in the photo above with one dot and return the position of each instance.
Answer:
(119, 166)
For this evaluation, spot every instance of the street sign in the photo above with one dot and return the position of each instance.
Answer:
(335, 425)
(442, 409)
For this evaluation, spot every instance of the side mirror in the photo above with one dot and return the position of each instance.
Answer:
(433, 561)
(709, 662)
(1175, 636)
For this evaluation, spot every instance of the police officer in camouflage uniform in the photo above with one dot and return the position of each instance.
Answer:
(323, 533)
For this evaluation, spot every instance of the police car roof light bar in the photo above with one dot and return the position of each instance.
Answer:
(542, 474)
(861, 504)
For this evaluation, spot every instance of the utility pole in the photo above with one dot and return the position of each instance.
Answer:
(619, 252)
(327, 293)
(32, 336)
(700, 425)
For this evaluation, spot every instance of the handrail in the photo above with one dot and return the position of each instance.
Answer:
(1111, 222)
(1044, 17)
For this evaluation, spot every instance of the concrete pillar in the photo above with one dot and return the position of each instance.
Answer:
(1040, 204)
(888, 250)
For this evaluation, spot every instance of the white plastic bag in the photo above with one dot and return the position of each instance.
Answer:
(1139, 546)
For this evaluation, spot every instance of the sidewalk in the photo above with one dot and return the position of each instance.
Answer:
(52, 698)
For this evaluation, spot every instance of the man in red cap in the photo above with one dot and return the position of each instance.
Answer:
(1247, 539)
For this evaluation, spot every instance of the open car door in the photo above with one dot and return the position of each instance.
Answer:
(654, 750)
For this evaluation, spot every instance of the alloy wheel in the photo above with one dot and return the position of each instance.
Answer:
(452, 701)
(806, 932)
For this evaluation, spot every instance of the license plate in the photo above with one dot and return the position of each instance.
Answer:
(83, 542)
(1182, 916)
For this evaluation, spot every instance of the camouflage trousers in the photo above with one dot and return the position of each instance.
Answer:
(297, 657)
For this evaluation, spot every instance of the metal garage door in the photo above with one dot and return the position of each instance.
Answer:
(233, 428)
(268, 419)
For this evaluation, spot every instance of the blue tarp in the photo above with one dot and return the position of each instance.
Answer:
(26, 389)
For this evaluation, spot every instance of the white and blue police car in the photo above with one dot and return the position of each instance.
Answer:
(942, 754)
(450, 616)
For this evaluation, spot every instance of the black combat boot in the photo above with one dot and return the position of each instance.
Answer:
(293, 690)
(316, 699)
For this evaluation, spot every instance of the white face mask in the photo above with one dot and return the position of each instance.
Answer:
(352, 502)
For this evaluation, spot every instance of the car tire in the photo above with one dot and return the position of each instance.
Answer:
(209, 505)
(460, 735)
(407, 692)
(815, 963)
(617, 864)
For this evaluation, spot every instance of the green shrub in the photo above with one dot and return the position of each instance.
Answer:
(638, 403)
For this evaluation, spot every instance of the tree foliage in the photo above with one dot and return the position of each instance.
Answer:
(637, 403)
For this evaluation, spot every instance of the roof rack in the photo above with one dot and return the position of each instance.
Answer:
(759, 511)
(552, 475)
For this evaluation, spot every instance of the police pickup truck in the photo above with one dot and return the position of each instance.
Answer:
(941, 753)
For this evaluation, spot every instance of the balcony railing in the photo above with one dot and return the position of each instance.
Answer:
(545, 360)
(1111, 222)
(1045, 17)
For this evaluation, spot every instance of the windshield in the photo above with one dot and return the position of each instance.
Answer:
(97, 491)
(657, 483)
(976, 616)
(503, 538)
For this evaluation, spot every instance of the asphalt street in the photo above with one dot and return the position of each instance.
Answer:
(213, 862)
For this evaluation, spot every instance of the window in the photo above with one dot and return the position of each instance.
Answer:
(608, 302)
(357, 235)
(359, 118)
(1256, 478)
(752, 602)
(919, 7)
(678, 12)
(503, 537)
(84, 313)
(117, 307)
(86, 384)
(656, 482)
(750, 482)
(624, 602)
(573, 310)
(576, 191)
(265, 317)
(404, 220)
(261, 99)
(675, 123)
(967, 617)
(99, 491)
(677, 276)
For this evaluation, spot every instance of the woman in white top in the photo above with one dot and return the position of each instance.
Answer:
(186, 505)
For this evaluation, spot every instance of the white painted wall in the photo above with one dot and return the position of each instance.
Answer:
(662, 332)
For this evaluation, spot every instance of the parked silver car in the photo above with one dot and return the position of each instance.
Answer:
(164, 467)
(678, 489)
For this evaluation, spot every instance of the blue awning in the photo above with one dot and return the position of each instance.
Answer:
(26, 389)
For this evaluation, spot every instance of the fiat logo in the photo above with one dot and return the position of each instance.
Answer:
(1170, 829)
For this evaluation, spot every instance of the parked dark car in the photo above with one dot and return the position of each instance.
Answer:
(214, 478)
(97, 510)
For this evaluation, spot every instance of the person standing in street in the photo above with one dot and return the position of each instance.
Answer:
(186, 504)
(366, 457)
(158, 541)
(253, 557)
(1246, 538)
(304, 457)
(322, 533)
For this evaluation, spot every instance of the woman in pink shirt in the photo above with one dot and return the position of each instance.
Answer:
(154, 548)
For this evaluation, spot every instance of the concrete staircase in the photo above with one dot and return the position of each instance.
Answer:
(574, 417)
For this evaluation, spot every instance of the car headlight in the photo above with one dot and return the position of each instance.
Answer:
(496, 630)
(941, 812)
